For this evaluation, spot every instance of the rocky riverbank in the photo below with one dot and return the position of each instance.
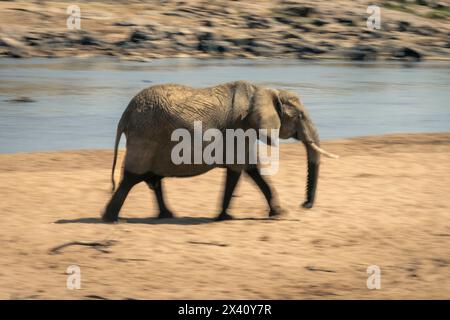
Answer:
(137, 30)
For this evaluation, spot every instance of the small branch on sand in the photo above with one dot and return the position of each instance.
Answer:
(209, 243)
(100, 245)
(311, 268)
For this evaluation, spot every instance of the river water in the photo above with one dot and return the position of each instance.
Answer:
(78, 102)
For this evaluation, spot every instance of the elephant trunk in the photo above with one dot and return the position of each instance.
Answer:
(313, 151)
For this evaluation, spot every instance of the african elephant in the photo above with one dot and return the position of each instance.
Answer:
(154, 113)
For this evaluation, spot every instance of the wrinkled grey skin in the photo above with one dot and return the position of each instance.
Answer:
(155, 112)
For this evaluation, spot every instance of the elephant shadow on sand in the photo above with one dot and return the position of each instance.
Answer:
(156, 220)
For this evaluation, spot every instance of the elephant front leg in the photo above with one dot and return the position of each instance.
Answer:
(230, 184)
(262, 184)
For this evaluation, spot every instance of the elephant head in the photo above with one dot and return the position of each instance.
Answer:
(283, 110)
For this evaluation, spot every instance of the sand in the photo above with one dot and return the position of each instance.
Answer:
(385, 202)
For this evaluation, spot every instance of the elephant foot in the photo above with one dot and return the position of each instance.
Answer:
(307, 204)
(276, 211)
(165, 214)
(224, 216)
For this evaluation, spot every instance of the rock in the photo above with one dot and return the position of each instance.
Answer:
(319, 22)
(15, 48)
(260, 48)
(422, 2)
(327, 45)
(87, 40)
(240, 42)
(362, 53)
(206, 35)
(211, 45)
(124, 24)
(298, 10)
(138, 36)
(408, 54)
(301, 27)
(403, 26)
(290, 35)
(31, 40)
(208, 23)
(255, 22)
(440, 5)
(303, 50)
(283, 20)
(208, 43)
(10, 42)
(345, 21)
(310, 50)
(426, 31)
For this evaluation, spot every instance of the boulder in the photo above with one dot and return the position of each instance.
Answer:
(345, 21)
(138, 36)
(298, 10)
(403, 26)
(362, 53)
(407, 54)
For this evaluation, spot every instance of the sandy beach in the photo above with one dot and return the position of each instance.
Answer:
(385, 202)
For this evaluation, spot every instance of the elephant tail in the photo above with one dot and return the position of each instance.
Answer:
(120, 130)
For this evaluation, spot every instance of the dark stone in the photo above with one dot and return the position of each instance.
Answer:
(407, 53)
(440, 5)
(362, 53)
(208, 23)
(212, 46)
(255, 22)
(310, 50)
(303, 50)
(301, 27)
(319, 22)
(403, 26)
(138, 36)
(345, 21)
(422, 2)
(124, 24)
(327, 45)
(290, 35)
(205, 36)
(88, 41)
(30, 40)
(299, 11)
(283, 20)
(240, 42)
(426, 31)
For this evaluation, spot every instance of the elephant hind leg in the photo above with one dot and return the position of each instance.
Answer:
(129, 180)
(155, 182)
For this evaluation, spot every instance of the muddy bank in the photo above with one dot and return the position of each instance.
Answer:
(384, 202)
(136, 30)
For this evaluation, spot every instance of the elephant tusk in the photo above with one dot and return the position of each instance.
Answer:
(318, 149)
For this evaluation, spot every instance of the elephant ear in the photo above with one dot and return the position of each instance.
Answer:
(265, 111)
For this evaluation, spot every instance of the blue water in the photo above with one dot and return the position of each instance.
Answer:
(78, 102)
